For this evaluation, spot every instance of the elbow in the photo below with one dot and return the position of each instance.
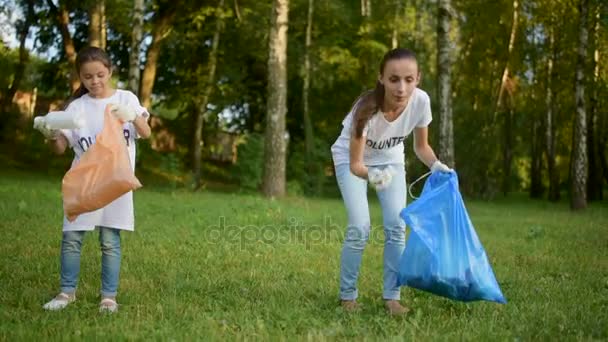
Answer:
(145, 134)
(358, 169)
(57, 148)
(418, 151)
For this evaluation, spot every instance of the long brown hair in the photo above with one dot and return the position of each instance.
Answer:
(371, 101)
(88, 54)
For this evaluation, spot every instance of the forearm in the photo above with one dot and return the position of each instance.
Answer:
(142, 127)
(58, 145)
(357, 167)
(425, 154)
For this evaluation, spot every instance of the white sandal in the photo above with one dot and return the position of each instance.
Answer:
(59, 302)
(108, 305)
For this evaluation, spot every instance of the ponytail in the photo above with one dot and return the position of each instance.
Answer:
(368, 104)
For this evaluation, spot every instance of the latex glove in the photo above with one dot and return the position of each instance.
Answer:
(441, 167)
(50, 134)
(380, 178)
(123, 112)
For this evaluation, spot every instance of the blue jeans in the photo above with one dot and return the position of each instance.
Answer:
(393, 200)
(71, 244)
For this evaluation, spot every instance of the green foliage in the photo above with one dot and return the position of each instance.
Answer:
(9, 59)
(250, 161)
(309, 172)
(345, 54)
(170, 164)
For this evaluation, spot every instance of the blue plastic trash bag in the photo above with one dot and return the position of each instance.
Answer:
(443, 254)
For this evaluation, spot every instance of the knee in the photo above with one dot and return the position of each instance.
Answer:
(71, 241)
(394, 232)
(110, 242)
(357, 236)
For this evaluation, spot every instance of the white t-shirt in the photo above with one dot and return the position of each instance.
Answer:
(119, 213)
(384, 140)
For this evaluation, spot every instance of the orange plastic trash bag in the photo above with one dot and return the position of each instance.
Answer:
(103, 174)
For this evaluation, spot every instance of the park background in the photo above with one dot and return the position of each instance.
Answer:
(240, 221)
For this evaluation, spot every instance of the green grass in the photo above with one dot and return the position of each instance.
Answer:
(271, 271)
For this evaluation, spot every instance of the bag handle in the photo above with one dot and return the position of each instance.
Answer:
(409, 189)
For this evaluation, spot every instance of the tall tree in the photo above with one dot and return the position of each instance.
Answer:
(578, 163)
(366, 8)
(204, 100)
(103, 24)
(61, 15)
(137, 33)
(444, 47)
(549, 117)
(273, 184)
(23, 29)
(396, 25)
(308, 130)
(161, 27)
(95, 24)
(595, 183)
(507, 127)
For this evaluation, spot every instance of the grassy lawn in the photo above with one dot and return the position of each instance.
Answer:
(213, 265)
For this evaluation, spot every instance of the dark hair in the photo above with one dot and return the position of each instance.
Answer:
(88, 54)
(368, 103)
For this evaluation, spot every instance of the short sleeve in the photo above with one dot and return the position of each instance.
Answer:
(425, 108)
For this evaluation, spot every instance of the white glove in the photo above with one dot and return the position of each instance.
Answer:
(441, 167)
(380, 179)
(50, 134)
(122, 112)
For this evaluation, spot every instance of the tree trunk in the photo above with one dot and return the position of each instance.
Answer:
(549, 126)
(103, 24)
(137, 33)
(274, 143)
(95, 24)
(507, 148)
(536, 135)
(444, 49)
(396, 25)
(417, 27)
(536, 155)
(23, 29)
(202, 106)
(62, 17)
(578, 164)
(308, 130)
(162, 24)
(366, 8)
(596, 179)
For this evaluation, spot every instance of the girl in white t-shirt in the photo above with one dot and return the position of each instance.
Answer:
(95, 70)
(370, 149)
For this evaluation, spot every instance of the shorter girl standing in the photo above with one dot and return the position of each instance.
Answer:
(96, 92)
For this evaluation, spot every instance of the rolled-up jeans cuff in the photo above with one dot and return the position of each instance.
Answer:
(68, 290)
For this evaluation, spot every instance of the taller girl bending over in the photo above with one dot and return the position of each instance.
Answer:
(370, 149)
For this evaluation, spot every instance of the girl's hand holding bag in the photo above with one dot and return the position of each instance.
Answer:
(102, 175)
